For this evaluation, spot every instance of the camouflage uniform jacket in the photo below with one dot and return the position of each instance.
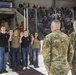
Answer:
(72, 37)
(57, 51)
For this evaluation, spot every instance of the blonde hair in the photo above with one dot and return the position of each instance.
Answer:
(74, 25)
(56, 23)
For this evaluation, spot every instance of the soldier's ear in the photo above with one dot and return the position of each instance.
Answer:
(51, 28)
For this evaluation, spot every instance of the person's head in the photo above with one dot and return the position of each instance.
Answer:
(74, 25)
(36, 35)
(55, 25)
(3, 29)
(25, 33)
(11, 32)
(16, 33)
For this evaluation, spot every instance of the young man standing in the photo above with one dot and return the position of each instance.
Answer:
(25, 41)
(15, 45)
(3, 44)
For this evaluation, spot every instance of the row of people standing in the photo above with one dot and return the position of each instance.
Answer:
(19, 45)
(23, 43)
(26, 44)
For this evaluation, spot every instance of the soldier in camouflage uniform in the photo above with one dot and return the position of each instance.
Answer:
(56, 51)
(73, 41)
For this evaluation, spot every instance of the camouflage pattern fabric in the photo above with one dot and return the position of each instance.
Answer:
(73, 41)
(57, 53)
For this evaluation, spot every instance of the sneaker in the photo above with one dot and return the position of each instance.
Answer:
(28, 67)
(36, 66)
(8, 63)
(24, 68)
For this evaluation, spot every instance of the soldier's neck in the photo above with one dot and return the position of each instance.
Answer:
(57, 30)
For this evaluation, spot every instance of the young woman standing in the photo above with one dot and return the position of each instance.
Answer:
(35, 44)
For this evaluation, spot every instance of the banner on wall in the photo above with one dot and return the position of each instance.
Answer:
(5, 4)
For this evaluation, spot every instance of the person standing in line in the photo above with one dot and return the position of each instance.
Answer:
(6, 52)
(3, 46)
(72, 37)
(35, 44)
(25, 43)
(15, 44)
(57, 52)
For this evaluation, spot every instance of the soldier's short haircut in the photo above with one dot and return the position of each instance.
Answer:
(56, 23)
(74, 23)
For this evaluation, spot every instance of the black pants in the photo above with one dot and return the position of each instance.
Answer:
(15, 58)
(10, 57)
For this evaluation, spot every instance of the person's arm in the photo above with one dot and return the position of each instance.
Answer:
(70, 54)
(10, 38)
(20, 40)
(21, 35)
(70, 51)
(32, 40)
(47, 52)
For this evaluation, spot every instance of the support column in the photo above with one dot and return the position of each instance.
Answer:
(54, 3)
(24, 20)
(36, 20)
(27, 19)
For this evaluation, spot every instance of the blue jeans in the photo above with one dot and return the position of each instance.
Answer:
(2, 53)
(5, 60)
(35, 56)
(25, 53)
(30, 56)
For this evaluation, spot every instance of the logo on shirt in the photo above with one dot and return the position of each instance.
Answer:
(6, 36)
(28, 39)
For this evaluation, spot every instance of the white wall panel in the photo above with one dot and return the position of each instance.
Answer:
(65, 3)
